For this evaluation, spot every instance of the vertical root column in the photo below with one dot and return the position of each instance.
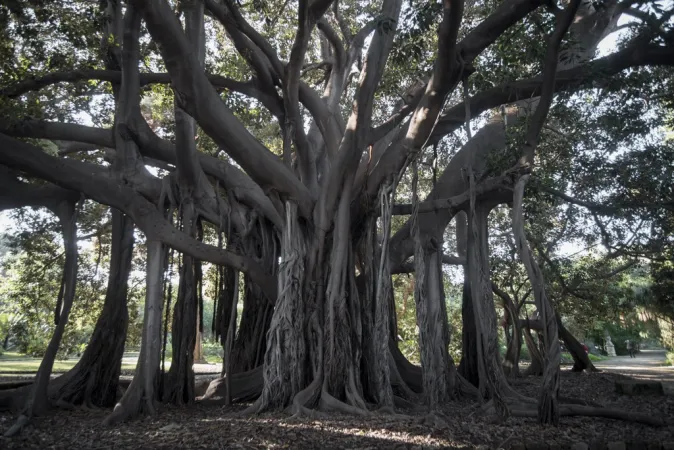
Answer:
(342, 318)
(548, 408)
(380, 328)
(491, 378)
(431, 312)
(140, 396)
(284, 374)
(180, 379)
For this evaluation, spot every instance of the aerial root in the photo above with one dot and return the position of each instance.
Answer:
(306, 398)
(328, 403)
(255, 408)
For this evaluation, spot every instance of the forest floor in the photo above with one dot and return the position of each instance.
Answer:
(218, 427)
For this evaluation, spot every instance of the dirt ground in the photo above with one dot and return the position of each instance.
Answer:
(216, 427)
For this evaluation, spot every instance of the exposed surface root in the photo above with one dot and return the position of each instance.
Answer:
(589, 411)
(407, 405)
(331, 404)
(307, 397)
(21, 422)
(244, 387)
(579, 401)
(434, 420)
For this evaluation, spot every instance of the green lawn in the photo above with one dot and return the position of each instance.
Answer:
(11, 362)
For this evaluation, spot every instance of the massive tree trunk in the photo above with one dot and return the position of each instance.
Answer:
(285, 363)
(94, 379)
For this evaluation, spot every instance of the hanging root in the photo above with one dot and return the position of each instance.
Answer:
(283, 370)
(548, 404)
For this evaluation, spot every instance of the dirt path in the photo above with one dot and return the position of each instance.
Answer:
(647, 365)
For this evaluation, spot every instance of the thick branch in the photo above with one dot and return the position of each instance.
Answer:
(605, 209)
(199, 99)
(101, 188)
(150, 145)
(18, 194)
(570, 80)
(219, 82)
(497, 187)
(449, 260)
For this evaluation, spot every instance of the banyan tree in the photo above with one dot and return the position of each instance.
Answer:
(294, 130)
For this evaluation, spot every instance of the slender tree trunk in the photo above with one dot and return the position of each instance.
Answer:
(468, 367)
(436, 365)
(581, 360)
(94, 379)
(492, 381)
(38, 400)
(512, 357)
(536, 366)
(249, 346)
(141, 395)
(198, 356)
(231, 329)
(179, 388)
(548, 408)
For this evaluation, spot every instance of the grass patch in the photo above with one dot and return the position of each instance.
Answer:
(669, 359)
(568, 359)
(596, 358)
(12, 362)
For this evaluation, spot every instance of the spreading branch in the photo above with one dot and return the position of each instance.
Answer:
(199, 99)
(97, 185)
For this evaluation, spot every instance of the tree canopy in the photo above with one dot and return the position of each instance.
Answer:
(297, 157)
